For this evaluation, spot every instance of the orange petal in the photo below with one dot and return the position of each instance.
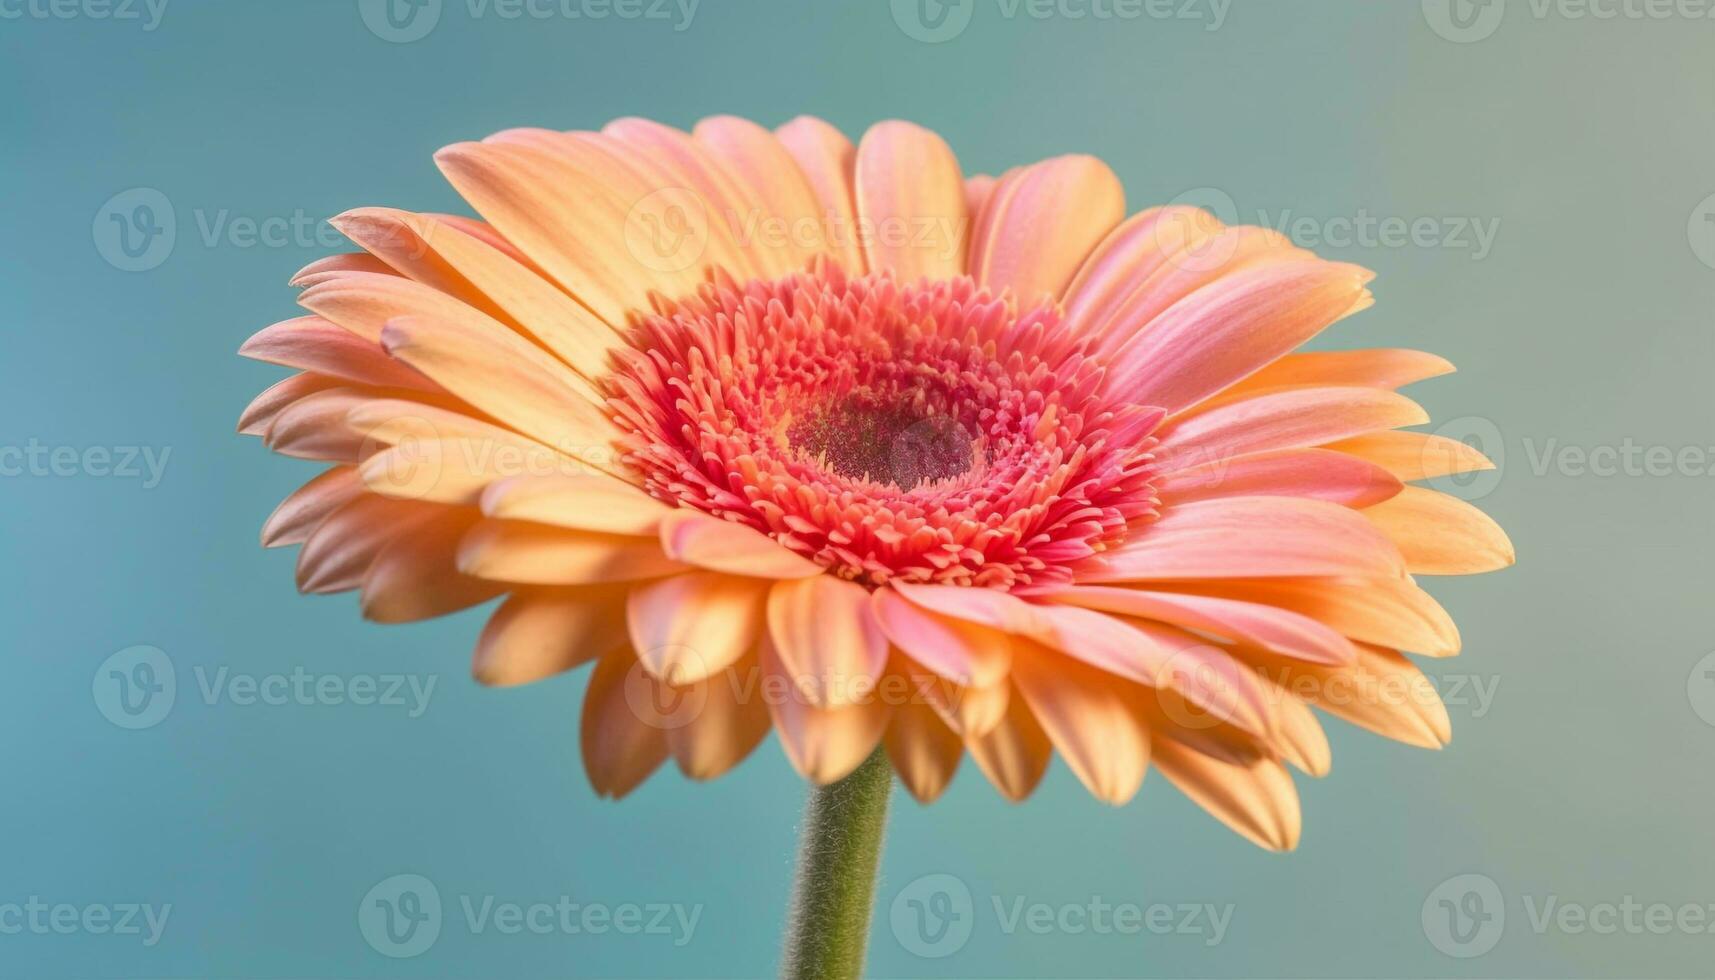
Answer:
(1040, 224)
(1316, 473)
(538, 633)
(828, 161)
(924, 751)
(1381, 691)
(1389, 611)
(1413, 456)
(1127, 258)
(1442, 535)
(1296, 418)
(827, 638)
(310, 343)
(535, 554)
(709, 542)
(911, 203)
(966, 653)
(689, 627)
(771, 177)
(1292, 634)
(729, 721)
(587, 501)
(309, 505)
(415, 577)
(339, 551)
(1087, 715)
(1243, 537)
(620, 749)
(1014, 754)
(823, 744)
(1257, 800)
(1384, 367)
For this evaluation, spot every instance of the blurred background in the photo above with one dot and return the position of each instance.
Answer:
(1534, 182)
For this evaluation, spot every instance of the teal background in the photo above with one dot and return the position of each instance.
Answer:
(1586, 325)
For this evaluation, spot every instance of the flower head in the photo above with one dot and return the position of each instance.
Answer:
(786, 434)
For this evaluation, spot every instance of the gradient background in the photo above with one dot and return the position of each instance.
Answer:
(1587, 325)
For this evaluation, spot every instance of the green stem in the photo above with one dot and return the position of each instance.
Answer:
(827, 929)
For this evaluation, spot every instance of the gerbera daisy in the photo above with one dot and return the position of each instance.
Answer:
(786, 434)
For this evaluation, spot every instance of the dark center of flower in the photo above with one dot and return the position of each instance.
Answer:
(864, 438)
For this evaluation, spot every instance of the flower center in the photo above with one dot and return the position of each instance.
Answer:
(895, 444)
(927, 432)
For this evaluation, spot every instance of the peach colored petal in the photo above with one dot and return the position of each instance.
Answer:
(314, 426)
(829, 161)
(1086, 714)
(966, 653)
(415, 576)
(439, 255)
(728, 722)
(1041, 222)
(1257, 801)
(1300, 738)
(1126, 260)
(1180, 667)
(336, 266)
(1247, 537)
(1229, 330)
(708, 542)
(339, 551)
(705, 186)
(311, 343)
(363, 302)
(1315, 473)
(1015, 753)
(827, 638)
(445, 471)
(568, 211)
(988, 607)
(259, 415)
(508, 378)
(620, 749)
(535, 554)
(538, 633)
(310, 504)
(1441, 534)
(1209, 264)
(1390, 611)
(1414, 455)
(586, 501)
(1296, 418)
(771, 177)
(823, 743)
(1283, 631)
(1384, 367)
(924, 751)
(689, 627)
(1381, 691)
(911, 201)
